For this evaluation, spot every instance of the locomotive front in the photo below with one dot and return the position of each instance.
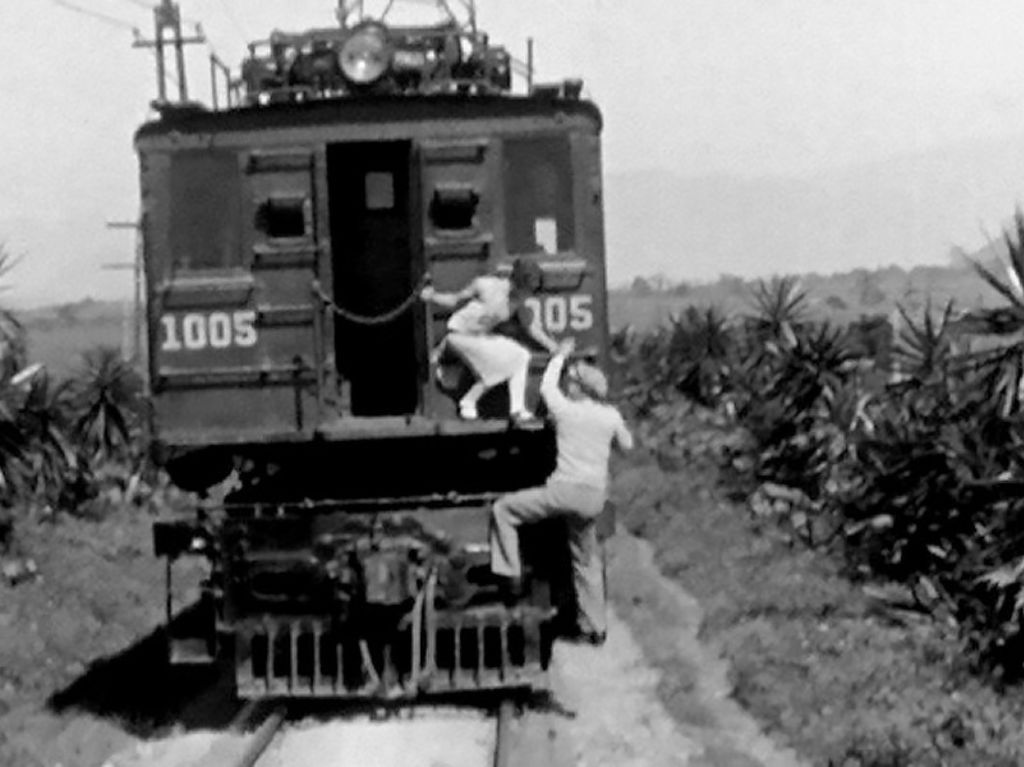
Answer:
(287, 238)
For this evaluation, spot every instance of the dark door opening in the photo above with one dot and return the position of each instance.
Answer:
(369, 187)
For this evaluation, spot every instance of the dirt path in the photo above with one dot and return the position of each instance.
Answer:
(653, 696)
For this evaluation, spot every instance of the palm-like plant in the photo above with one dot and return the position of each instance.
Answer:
(700, 345)
(924, 349)
(778, 304)
(108, 397)
(1011, 317)
(45, 420)
(15, 447)
(13, 346)
(1002, 366)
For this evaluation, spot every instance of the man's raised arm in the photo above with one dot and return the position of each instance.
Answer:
(623, 437)
(549, 388)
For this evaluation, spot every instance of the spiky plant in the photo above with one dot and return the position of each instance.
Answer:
(13, 345)
(791, 386)
(1010, 318)
(700, 348)
(923, 349)
(1002, 365)
(778, 304)
(15, 466)
(107, 393)
(15, 448)
(45, 420)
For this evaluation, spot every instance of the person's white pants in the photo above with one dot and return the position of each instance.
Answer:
(579, 505)
(494, 359)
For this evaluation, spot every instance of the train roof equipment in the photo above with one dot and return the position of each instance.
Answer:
(362, 56)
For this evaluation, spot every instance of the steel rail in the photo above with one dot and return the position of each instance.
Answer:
(502, 741)
(256, 747)
(261, 739)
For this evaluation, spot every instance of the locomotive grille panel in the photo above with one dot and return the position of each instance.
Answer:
(306, 657)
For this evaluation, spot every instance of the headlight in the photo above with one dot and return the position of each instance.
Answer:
(366, 55)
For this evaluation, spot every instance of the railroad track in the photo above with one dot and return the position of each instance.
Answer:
(253, 751)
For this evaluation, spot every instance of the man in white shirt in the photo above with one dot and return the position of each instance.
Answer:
(586, 427)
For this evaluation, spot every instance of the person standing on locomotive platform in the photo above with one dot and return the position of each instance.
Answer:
(486, 304)
(586, 428)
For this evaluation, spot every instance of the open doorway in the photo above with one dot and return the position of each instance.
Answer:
(369, 189)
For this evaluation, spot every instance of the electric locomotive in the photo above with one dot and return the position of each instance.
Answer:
(287, 235)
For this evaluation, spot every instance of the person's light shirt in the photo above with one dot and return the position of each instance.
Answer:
(585, 430)
(488, 308)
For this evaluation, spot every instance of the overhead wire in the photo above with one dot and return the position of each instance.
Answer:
(97, 15)
(111, 20)
(141, 4)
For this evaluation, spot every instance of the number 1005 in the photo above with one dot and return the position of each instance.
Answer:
(194, 331)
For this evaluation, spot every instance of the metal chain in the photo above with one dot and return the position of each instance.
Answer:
(375, 319)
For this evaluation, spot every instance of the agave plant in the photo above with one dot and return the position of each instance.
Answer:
(700, 346)
(1003, 364)
(13, 346)
(923, 349)
(45, 421)
(780, 306)
(15, 447)
(793, 392)
(107, 394)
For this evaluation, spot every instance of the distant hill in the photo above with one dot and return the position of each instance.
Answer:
(59, 335)
(840, 297)
(909, 211)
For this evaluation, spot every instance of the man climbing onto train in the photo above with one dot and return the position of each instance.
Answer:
(482, 308)
(586, 428)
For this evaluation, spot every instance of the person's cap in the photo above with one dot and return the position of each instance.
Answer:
(590, 379)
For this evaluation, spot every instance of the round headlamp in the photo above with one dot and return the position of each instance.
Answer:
(366, 55)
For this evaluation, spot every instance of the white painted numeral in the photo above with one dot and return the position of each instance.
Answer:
(172, 343)
(194, 331)
(218, 330)
(556, 314)
(581, 314)
(245, 328)
(559, 313)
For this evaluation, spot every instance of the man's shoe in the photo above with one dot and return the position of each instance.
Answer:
(523, 418)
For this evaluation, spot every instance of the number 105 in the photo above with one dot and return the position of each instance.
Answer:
(561, 313)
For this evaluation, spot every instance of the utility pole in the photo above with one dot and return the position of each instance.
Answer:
(136, 353)
(167, 19)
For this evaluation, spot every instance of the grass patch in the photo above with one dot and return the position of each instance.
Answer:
(824, 668)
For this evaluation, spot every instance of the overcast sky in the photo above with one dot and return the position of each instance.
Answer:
(697, 87)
